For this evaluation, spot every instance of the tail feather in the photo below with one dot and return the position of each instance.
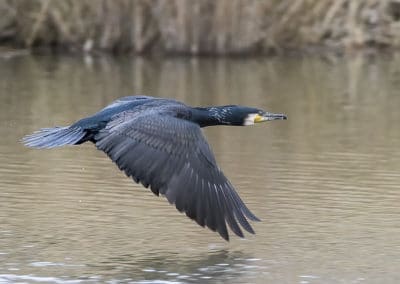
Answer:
(54, 137)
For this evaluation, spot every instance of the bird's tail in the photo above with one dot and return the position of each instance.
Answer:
(54, 137)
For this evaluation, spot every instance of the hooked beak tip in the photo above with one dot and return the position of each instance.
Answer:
(275, 116)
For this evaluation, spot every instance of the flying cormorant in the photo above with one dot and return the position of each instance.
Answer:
(158, 142)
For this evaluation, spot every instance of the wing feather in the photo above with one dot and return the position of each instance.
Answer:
(172, 157)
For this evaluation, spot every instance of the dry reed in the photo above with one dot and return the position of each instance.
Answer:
(200, 26)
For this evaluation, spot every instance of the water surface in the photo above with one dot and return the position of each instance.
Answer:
(326, 182)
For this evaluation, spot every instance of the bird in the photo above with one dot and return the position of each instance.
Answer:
(159, 143)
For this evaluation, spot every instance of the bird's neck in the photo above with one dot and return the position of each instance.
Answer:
(209, 116)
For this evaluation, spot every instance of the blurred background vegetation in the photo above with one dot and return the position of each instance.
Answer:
(200, 26)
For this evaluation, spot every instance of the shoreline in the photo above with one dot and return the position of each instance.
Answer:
(201, 28)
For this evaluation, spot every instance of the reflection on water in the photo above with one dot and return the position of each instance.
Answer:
(209, 267)
(325, 182)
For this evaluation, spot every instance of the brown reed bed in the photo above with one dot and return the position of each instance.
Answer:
(199, 26)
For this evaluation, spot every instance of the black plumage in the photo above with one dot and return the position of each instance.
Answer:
(159, 143)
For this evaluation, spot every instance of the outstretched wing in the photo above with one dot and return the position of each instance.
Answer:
(172, 157)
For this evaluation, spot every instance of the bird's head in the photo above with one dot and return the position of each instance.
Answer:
(252, 116)
(240, 115)
(232, 115)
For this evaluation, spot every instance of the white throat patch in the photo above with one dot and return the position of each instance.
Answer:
(249, 120)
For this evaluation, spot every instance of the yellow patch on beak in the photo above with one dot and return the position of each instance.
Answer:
(258, 118)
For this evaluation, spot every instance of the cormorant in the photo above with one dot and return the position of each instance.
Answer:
(158, 142)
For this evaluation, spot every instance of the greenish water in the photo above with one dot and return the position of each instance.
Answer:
(326, 182)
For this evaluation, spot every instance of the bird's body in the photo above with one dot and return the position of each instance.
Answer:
(158, 142)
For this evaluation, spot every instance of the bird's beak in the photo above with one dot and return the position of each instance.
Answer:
(269, 116)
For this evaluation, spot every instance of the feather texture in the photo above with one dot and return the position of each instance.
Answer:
(172, 156)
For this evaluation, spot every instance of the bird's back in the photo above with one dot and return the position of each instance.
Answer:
(100, 119)
(86, 128)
